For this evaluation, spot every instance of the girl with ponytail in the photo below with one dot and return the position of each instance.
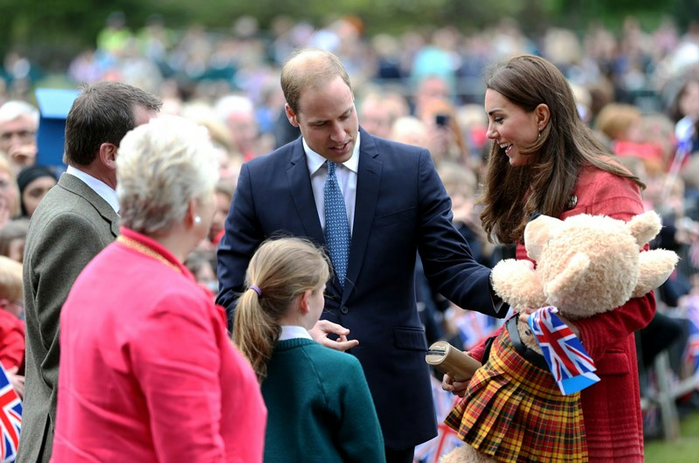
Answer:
(318, 400)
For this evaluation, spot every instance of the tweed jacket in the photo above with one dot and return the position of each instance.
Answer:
(71, 225)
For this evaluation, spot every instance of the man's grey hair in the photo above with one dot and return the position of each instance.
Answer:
(13, 109)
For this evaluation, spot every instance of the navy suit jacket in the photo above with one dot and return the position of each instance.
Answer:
(401, 208)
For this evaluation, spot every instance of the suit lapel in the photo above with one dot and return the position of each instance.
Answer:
(80, 188)
(368, 181)
(302, 193)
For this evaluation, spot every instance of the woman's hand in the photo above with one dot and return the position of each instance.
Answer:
(453, 386)
(16, 380)
(524, 318)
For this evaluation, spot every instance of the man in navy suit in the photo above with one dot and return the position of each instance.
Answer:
(395, 204)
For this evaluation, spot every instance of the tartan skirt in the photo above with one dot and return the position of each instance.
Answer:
(513, 411)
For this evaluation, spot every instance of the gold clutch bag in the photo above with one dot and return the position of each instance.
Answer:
(451, 361)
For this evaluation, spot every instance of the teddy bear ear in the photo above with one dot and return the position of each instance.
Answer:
(537, 232)
(645, 226)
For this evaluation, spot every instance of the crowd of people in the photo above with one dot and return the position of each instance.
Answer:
(414, 162)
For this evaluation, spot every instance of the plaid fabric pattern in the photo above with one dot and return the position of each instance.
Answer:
(514, 412)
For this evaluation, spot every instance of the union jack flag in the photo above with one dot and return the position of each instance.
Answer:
(569, 362)
(10, 419)
(692, 350)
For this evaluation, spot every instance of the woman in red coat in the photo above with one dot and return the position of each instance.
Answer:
(148, 372)
(544, 159)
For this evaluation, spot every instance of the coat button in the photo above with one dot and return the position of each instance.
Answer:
(344, 310)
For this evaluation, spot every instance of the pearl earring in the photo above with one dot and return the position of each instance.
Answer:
(197, 219)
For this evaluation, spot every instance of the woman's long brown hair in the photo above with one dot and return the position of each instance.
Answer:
(565, 146)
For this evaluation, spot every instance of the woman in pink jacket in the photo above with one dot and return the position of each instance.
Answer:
(544, 159)
(148, 372)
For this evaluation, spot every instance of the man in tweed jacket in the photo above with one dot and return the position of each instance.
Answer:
(72, 224)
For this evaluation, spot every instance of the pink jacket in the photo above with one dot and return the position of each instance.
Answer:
(147, 371)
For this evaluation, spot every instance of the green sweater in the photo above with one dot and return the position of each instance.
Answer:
(319, 407)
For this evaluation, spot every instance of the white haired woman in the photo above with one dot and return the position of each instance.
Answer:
(148, 372)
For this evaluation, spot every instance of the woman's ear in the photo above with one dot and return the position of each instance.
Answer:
(191, 213)
(543, 114)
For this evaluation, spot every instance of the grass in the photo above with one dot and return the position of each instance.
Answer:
(683, 450)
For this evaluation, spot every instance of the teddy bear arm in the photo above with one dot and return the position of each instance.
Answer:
(518, 284)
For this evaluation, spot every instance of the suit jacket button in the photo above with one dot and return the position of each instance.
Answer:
(344, 310)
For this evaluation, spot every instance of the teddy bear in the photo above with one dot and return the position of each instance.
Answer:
(585, 265)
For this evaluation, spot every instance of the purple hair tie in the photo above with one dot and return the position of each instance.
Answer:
(257, 290)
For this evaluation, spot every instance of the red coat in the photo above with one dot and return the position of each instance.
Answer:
(11, 340)
(612, 407)
(147, 371)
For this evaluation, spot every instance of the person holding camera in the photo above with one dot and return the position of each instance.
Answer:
(446, 141)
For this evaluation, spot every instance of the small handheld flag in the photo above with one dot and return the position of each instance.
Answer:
(10, 419)
(571, 365)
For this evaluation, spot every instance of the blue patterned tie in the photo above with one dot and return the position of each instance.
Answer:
(337, 231)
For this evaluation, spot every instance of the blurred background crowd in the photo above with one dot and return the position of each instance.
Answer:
(638, 87)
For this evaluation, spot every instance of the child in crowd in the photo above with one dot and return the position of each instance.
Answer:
(201, 262)
(11, 326)
(12, 238)
(317, 398)
(224, 196)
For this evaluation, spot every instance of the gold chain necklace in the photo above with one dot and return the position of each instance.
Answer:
(135, 245)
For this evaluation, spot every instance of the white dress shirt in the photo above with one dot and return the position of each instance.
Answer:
(294, 331)
(346, 178)
(98, 186)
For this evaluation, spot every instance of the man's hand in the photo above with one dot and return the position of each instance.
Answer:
(455, 387)
(323, 328)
